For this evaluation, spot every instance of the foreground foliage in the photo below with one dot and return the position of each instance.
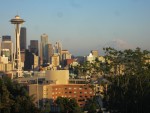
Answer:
(127, 73)
(14, 98)
(129, 88)
(68, 105)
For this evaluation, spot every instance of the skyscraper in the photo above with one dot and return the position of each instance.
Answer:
(6, 53)
(34, 48)
(58, 50)
(50, 52)
(6, 38)
(64, 56)
(31, 61)
(23, 39)
(55, 61)
(7, 44)
(43, 48)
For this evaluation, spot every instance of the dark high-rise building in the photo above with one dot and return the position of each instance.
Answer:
(34, 47)
(43, 48)
(31, 61)
(22, 39)
(50, 52)
(6, 38)
(28, 60)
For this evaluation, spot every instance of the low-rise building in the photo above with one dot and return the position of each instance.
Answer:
(42, 92)
(56, 83)
(90, 58)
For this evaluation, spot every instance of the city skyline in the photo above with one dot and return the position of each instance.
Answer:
(81, 26)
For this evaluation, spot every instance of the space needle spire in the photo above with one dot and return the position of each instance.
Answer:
(17, 58)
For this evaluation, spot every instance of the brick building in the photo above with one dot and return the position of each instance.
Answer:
(80, 92)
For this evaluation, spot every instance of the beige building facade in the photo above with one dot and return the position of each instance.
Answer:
(58, 76)
(55, 61)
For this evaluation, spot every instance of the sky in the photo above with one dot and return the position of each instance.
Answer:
(81, 25)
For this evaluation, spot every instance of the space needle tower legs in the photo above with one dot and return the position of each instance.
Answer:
(17, 58)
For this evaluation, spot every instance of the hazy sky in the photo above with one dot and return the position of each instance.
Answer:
(81, 25)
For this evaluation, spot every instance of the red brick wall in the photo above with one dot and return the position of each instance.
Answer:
(80, 92)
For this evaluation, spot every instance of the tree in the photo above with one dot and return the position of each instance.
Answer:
(129, 88)
(15, 99)
(5, 101)
(91, 105)
(68, 105)
(47, 107)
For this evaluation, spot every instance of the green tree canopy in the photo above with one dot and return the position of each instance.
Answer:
(129, 91)
(68, 105)
(14, 98)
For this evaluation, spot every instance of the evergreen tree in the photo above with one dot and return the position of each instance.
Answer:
(15, 99)
(68, 105)
(128, 92)
(5, 101)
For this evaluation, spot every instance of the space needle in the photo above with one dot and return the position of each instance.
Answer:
(17, 58)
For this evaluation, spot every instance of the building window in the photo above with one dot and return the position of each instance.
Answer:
(80, 88)
(80, 100)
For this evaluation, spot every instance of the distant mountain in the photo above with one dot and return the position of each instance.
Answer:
(118, 44)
